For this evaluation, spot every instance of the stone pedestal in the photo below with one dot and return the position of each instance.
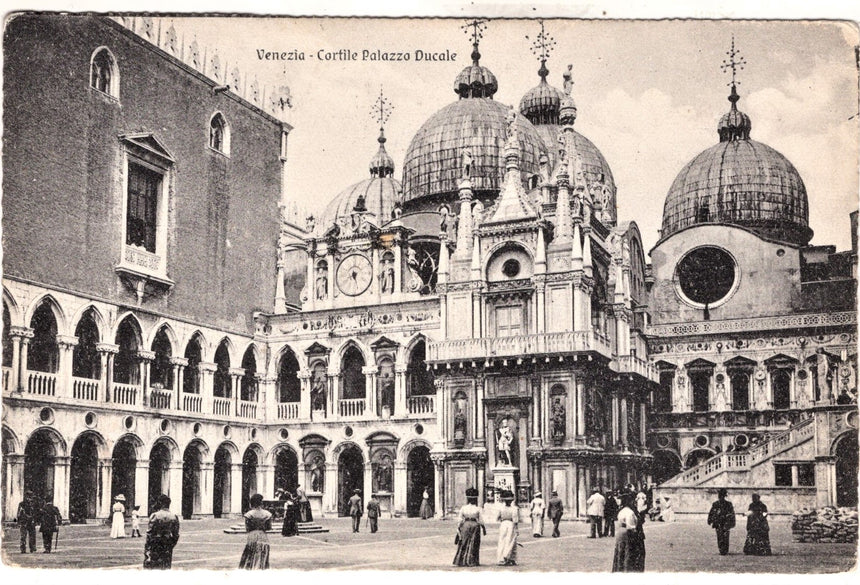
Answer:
(503, 479)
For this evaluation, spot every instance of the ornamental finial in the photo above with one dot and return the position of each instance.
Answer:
(381, 109)
(478, 27)
(541, 47)
(735, 62)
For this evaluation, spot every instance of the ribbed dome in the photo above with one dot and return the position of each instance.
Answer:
(475, 81)
(434, 159)
(381, 165)
(380, 195)
(593, 163)
(541, 103)
(742, 182)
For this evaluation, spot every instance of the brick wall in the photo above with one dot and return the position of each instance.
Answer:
(62, 182)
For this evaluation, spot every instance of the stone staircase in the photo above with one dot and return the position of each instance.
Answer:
(739, 462)
(304, 528)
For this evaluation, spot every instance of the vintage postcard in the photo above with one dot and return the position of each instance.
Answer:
(429, 294)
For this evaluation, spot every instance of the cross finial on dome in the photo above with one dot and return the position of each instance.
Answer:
(736, 63)
(542, 45)
(478, 27)
(381, 164)
(381, 109)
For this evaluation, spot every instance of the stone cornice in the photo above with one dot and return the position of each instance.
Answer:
(758, 324)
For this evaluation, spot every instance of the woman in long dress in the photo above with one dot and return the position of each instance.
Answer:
(291, 516)
(508, 519)
(469, 530)
(426, 510)
(629, 546)
(537, 510)
(257, 522)
(117, 527)
(758, 531)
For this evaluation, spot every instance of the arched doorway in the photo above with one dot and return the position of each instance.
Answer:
(697, 456)
(159, 473)
(221, 384)
(39, 457)
(846, 470)
(44, 353)
(286, 470)
(250, 461)
(419, 476)
(86, 362)
(350, 477)
(222, 487)
(124, 466)
(191, 480)
(666, 464)
(83, 479)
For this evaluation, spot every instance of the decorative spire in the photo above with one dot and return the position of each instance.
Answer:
(475, 81)
(541, 47)
(512, 204)
(381, 165)
(735, 125)
(567, 112)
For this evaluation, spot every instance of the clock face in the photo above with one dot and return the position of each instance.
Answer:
(354, 275)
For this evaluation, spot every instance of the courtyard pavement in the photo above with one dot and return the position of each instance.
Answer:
(413, 544)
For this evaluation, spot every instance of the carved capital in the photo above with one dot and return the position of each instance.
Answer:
(237, 372)
(145, 355)
(179, 361)
(207, 366)
(21, 332)
(67, 341)
(107, 348)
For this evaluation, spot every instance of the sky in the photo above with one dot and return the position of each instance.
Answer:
(649, 95)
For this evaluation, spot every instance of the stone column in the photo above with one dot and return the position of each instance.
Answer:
(329, 502)
(370, 390)
(179, 364)
(24, 335)
(615, 418)
(329, 299)
(333, 392)
(141, 486)
(174, 490)
(367, 489)
(623, 418)
(16, 334)
(280, 295)
(266, 480)
(107, 351)
(207, 370)
(481, 481)
(14, 488)
(305, 377)
(207, 483)
(400, 488)
(67, 344)
(581, 489)
(235, 489)
(103, 501)
(643, 424)
(580, 408)
(61, 485)
(400, 406)
(144, 363)
(269, 398)
(478, 422)
(236, 375)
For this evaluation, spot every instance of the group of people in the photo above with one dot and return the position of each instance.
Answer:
(297, 508)
(722, 519)
(32, 512)
(117, 528)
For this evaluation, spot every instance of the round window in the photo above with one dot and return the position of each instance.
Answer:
(164, 425)
(283, 434)
(197, 428)
(419, 429)
(46, 415)
(706, 275)
(347, 431)
(511, 267)
(227, 430)
(90, 419)
(253, 434)
(128, 422)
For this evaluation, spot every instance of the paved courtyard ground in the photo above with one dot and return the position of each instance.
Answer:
(429, 545)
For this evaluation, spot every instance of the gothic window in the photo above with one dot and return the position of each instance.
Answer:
(142, 210)
(740, 382)
(44, 353)
(352, 379)
(191, 375)
(85, 358)
(7, 340)
(221, 379)
(427, 255)
(663, 394)
(161, 372)
(700, 382)
(219, 134)
(780, 382)
(385, 385)
(125, 364)
(249, 379)
(104, 74)
(419, 380)
(289, 385)
(509, 320)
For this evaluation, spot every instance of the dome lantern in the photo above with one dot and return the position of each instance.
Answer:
(381, 165)
(475, 81)
(540, 105)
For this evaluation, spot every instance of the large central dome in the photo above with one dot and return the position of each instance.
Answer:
(434, 159)
(741, 182)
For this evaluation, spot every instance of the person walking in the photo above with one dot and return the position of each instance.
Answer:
(162, 534)
(305, 512)
(117, 527)
(426, 510)
(537, 511)
(257, 522)
(135, 522)
(758, 530)
(469, 528)
(356, 510)
(629, 554)
(610, 514)
(595, 505)
(508, 518)
(26, 519)
(291, 515)
(555, 509)
(373, 513)
(49, 524)
(722, 519)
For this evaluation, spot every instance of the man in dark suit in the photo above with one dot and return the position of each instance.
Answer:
(554, 509)
(49, 523)
(28, 511)
(356, 510)
(373, 513)
(722, 519)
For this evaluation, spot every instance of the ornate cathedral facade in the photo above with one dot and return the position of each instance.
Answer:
(485, 322)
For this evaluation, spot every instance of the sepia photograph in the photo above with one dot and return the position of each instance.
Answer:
(452, 294)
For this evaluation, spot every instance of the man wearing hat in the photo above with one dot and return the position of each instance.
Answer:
(722, 519)
(555, 508)
(595, 505)
(356, 509)
(537, 510)
(373, 512)
(26, 518)
(49, 523)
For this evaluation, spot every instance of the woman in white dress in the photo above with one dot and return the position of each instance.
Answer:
(508, 518)
(117, 528)
(538, 513)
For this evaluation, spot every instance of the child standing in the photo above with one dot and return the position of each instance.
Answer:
(135, 522)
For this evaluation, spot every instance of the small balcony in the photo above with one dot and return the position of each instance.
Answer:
(487, 348)
(160, 398)
(124, 394)
(85, 389)
(41, 383)
(351, 407)
(221, 406)
(247, 409)
(421, 405)
(630, 364)
(288, 410)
